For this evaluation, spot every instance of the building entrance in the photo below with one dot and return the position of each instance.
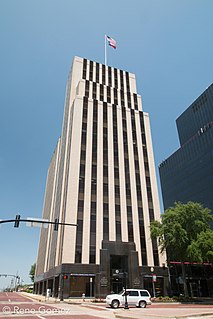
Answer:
(118, 266)
(116, 285)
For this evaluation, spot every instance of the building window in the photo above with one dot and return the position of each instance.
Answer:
(116, 78)
(97, 72)
(122, 98)
(94, 90)
(87, 88)
(84, 76)
(109, 76)
(115, 96)
(93, 185)
(127, 176)
(130, 231)
(127, 82)
(116, 175)
(121, 80)
(91, 71)
(135, 97)
(105, 173)
(108, 94)
(103, 74)
(129, 100)
(92, 258)
(101, 92)
(118, 230)
(79, 231)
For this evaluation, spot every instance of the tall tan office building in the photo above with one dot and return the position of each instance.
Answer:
(102, 178)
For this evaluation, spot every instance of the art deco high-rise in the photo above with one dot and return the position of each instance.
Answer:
(102, 178)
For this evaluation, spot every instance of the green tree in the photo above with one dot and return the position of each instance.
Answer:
(184, 232)
(201, 249)
(32, 272)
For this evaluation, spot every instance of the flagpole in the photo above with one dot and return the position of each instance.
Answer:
(105, 51)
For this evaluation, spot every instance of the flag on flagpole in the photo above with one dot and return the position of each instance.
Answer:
(111, 42)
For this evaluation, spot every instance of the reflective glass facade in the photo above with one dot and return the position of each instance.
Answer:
(187, 175)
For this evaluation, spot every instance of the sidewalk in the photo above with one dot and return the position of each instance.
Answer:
(42, 298)
(155, 311)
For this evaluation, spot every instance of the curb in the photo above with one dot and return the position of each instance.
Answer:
(204, 315)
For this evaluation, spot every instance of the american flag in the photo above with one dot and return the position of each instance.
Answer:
(111, 42)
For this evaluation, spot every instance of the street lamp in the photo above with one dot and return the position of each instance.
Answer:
(126, 306)
(153, 280)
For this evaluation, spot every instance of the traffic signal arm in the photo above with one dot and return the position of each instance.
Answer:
(17, 220)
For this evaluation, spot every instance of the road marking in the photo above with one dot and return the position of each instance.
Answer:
(40, 317)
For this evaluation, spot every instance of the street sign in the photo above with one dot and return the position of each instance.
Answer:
(154, 278)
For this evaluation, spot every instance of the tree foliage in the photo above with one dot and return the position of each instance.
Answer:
(32, 272)
(184, 232)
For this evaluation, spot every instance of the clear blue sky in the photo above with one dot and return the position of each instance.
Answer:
(167, 44)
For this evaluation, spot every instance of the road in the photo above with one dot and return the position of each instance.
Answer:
(15, 305)
(19, 306)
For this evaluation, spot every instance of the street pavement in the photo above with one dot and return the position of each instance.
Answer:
(30, 306)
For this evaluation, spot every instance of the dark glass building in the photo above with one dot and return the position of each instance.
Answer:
(187, 175)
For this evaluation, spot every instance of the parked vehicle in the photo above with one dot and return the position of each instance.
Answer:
(137, 297)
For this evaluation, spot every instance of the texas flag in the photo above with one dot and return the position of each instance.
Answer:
(111, 42)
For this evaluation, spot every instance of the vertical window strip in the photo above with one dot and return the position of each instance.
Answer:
(93, 186)
(116, 78)
(116, 176)
(122, 98)
(84, 75)
(108, 94)
(129, 100)
(135, 101)
(97, 72)
(94, 90)
(105, 173)
(127, 177)
(101, 92)
(109, 76)
(115, 96)
(103, 74)
(87, 88)
(148, 187)
(79, 232)
(127, 82)
(91, 71)
(138, 191)
(122, 80)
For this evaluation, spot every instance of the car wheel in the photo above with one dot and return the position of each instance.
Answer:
(115, 304)
(142, 304)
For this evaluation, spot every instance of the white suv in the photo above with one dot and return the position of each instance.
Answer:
(137, 297)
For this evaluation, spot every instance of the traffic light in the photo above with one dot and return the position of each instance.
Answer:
(56, 224)
(17, 221)
(65, 277)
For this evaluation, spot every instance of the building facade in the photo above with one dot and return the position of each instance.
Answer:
(187, 175)
(102, 178)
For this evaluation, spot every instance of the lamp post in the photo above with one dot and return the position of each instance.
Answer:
(62, 288)
(153, 280)
(126, 306)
